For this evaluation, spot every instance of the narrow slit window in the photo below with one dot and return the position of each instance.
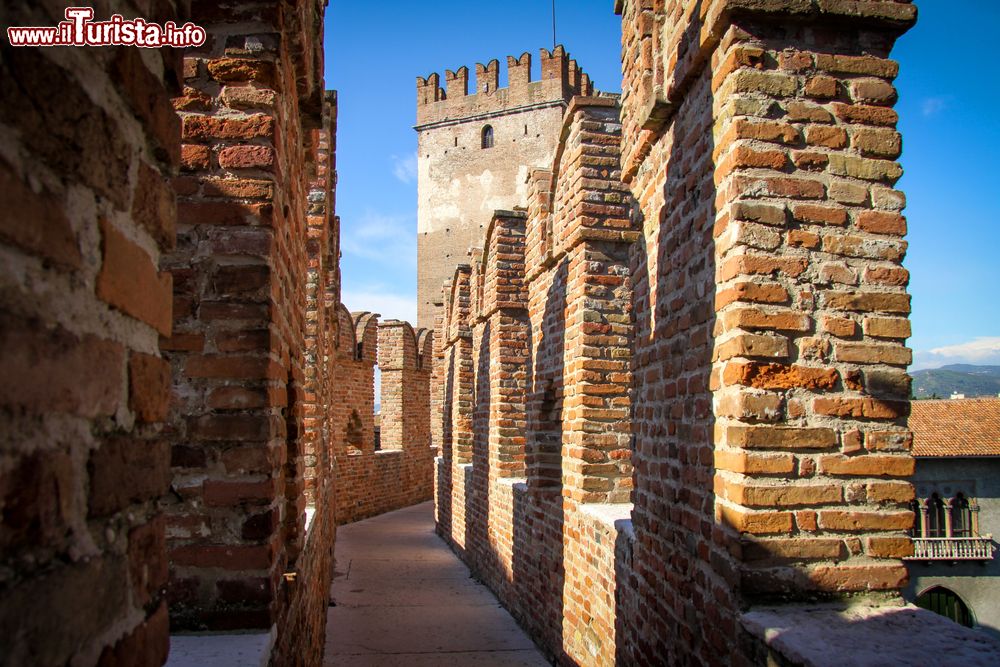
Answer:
(487, 136)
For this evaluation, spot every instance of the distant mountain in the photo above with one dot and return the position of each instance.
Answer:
(962, 378)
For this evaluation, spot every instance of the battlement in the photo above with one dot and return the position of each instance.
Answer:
(562, 78)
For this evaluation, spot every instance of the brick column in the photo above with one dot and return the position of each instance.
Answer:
(505, 307)
(460, 341)
(809, 374)
(397, 360)
(771, 389)
(590, 224)
(238, 348)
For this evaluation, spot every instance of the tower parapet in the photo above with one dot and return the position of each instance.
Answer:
(562, 78)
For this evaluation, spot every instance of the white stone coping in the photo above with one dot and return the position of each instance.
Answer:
(310, 515)
(865, 635)
(247, 649)
(615, 516)
(519, 484)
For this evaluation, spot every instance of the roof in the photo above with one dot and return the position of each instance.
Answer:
(956, 427)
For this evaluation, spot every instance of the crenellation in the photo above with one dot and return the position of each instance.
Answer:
(561, 79)
(483, 143)
(429, 89)
(519, 70)
(456, 83)
(487, 77)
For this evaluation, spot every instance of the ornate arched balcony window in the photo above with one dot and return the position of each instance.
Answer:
(948, 529)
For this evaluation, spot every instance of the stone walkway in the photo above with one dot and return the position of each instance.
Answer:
(403, 598)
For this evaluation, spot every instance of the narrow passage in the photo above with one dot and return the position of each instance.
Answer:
(403, 598)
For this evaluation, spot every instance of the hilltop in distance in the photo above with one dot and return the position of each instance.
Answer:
(967, 379)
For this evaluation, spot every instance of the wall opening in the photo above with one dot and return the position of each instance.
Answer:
(487, 136)
(945, 602)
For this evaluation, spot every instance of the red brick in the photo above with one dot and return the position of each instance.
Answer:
(52, 370)
(230, 493)
(149, 387)
(867, 465)
(210, 128)
(247, 157)
(147, 560)
(195, 157)
(224, 557)
(36, 222)
(125, 470)
(130, 282)
(858, 577)
(236, 69)
(779, 376)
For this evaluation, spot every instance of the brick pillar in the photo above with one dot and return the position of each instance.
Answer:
(437, 373)
(809, 375)
(460, 340)
(319, 316)
(397, 360)
(771, 390)
(505, 307)
(420, 391)
(238, 350)
(590, 224)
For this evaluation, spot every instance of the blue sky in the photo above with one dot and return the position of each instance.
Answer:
(948, 97)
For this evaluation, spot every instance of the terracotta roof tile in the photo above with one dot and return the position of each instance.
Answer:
(959, 427)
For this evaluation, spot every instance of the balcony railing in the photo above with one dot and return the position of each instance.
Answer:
(952, 548)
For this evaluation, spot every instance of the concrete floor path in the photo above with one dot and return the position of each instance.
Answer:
(403, 598)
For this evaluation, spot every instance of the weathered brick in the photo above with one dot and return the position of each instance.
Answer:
(149, 387)
(50, 234)
(65, 361)
(126, 470)
(864, 353)
(822, 215)
(880, 222)
(867, 465)
(130, 282)
(776, 437)
(858, 577)
(889, 302)
(247, 157)
(861, 521)
(779, 376)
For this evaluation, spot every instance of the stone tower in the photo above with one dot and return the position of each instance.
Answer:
(474, 153)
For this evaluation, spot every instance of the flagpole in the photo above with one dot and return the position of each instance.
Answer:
(553, 25)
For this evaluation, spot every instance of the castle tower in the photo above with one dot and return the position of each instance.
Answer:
(474, 153)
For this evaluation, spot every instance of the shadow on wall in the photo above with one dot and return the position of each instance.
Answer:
(538, 563)
(675, 582)
(477, 496)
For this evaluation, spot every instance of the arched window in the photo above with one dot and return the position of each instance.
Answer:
(487, 136)
(942, 601)
(939, 517)
(936, 520)
(961, 517)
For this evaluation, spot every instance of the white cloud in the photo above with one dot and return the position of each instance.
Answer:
(983, 350)
(378, 299)
(404, 168)
(931, 106)
(390, 239)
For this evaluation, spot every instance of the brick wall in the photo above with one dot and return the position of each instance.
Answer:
(399, 474)
(255, 289)
(536, 377)
(714, 361)
(88, 143)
